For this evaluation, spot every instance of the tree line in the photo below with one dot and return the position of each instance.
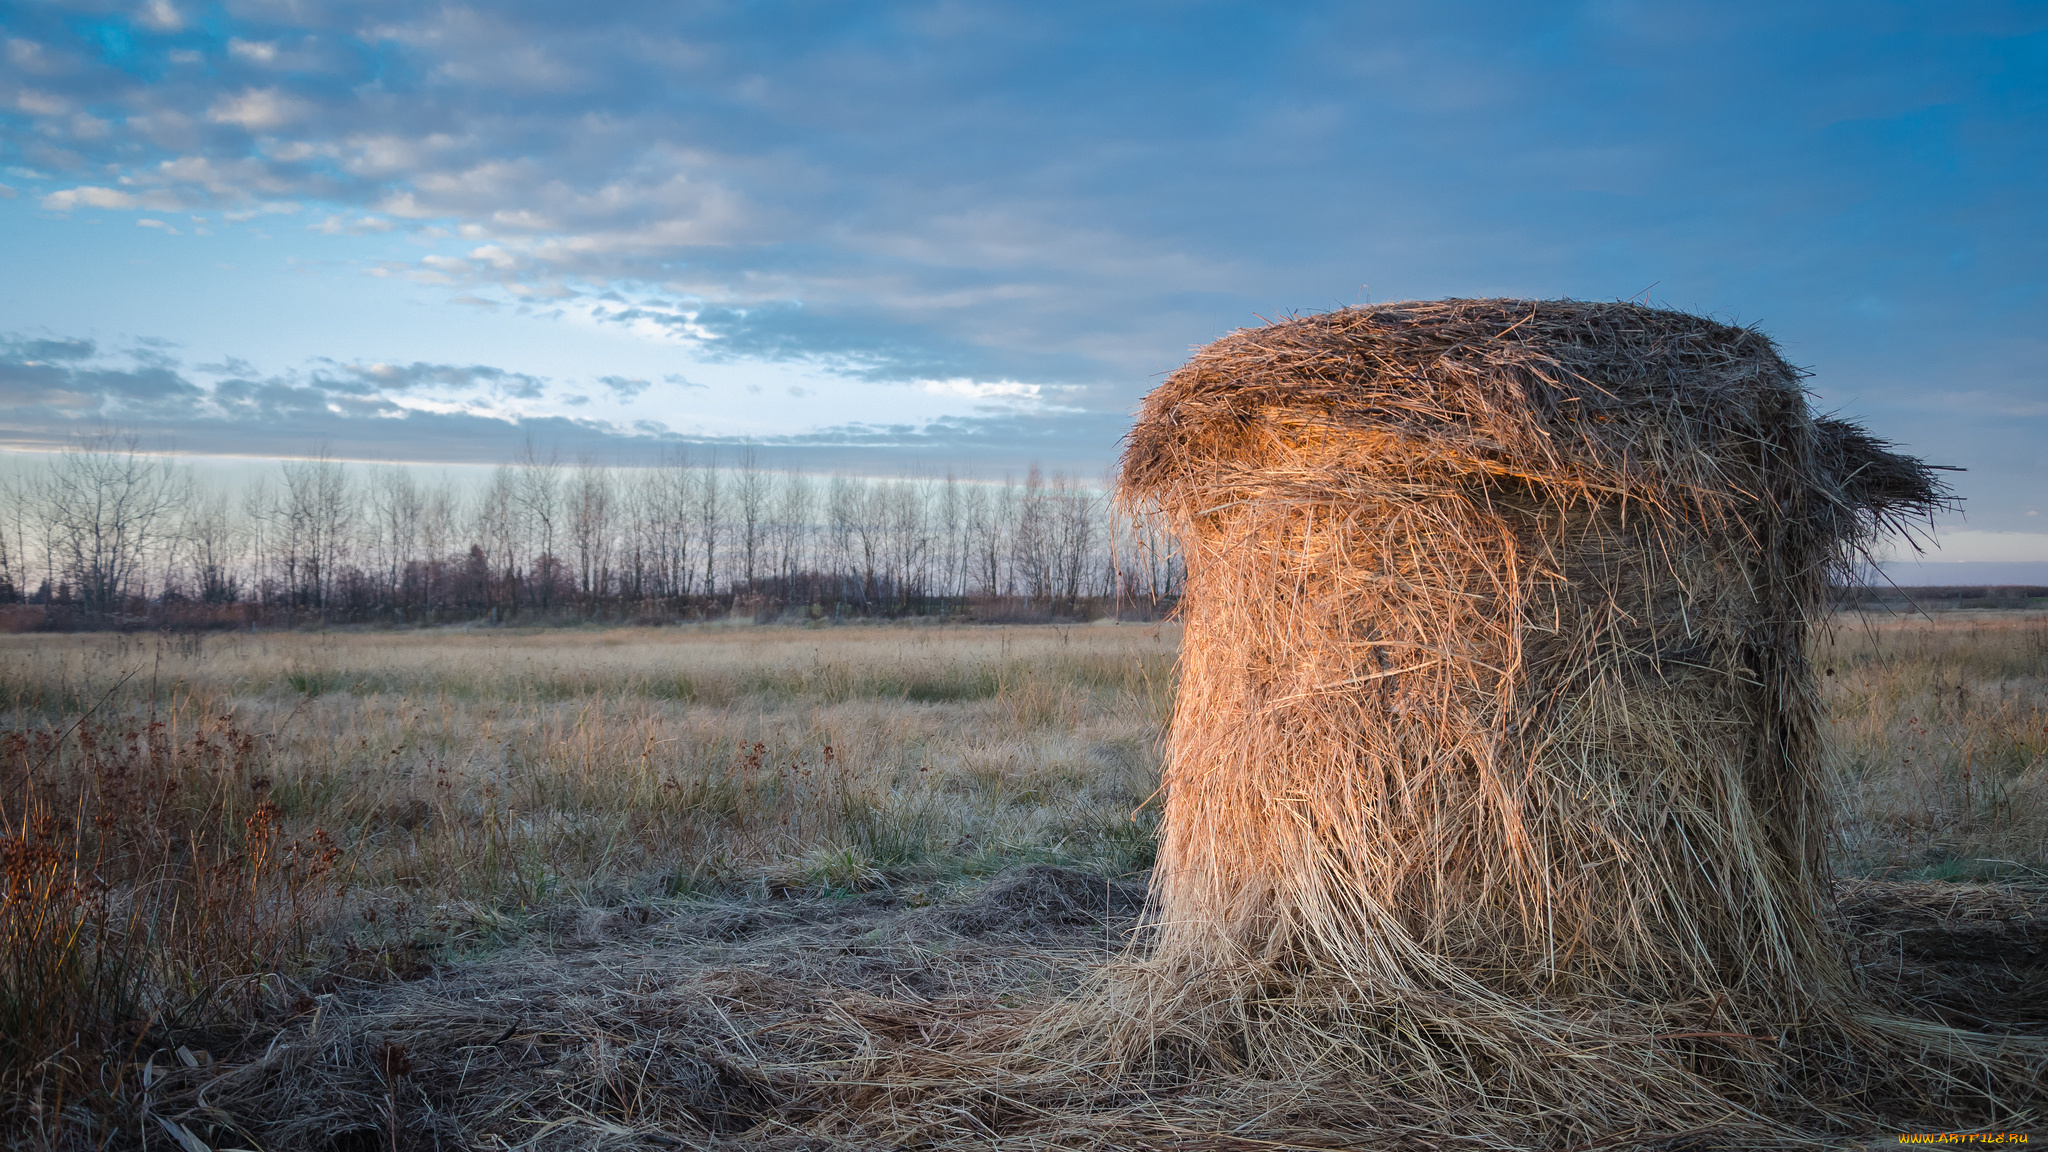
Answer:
(108, 534)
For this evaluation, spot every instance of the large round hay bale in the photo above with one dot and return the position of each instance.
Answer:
(1494, 758)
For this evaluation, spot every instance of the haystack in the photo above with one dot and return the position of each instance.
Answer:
(1493, 771)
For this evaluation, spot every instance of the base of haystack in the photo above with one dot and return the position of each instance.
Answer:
(1951, 1033)
(1562, 1074)
(819, 1024)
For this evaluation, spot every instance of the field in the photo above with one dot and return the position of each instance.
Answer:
(691, 885)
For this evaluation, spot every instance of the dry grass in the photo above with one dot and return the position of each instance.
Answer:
(531, 945)
(468, 787)
(1938, 744)
(514, 771)
(148, 890)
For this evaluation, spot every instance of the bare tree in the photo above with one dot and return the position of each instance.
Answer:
(214, 541)
(397, 506)
(842, 510)
(538, 495)
(13, 552)
(792, 528)
(590, 525)
(907, 532)
(674, 509)
(1073, 537)
(440, 512)
(495, 551)
(708, 508)
(988, 516)
(1029, 541)
(108, 507)
(636, 536)
(10, 587)
(751, 489)
(317, 516)
(869, 512)
(952, 541)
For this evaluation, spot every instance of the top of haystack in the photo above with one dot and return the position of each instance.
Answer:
(1572, 396)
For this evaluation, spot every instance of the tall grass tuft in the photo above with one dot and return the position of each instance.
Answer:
(148, 890)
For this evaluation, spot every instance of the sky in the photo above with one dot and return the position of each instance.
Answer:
(887, 236)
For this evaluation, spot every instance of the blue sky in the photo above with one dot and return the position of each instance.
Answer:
(877, 236)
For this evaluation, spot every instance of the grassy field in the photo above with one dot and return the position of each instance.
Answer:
(277, 853)
(469, 779)
(1937, 730)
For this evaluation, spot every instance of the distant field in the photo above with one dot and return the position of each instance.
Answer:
(1937, 732)
(345, 809)
(507, 771)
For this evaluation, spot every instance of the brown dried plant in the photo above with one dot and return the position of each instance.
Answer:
(147, 893)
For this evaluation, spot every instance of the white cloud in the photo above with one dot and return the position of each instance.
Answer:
(254, 51)
(41, 103)
(495, 256)
(166, 127)
(6, 193)
(26, 55)
(293, 151)
(649, 320)
(338, 224)
(386, 155)
(491, 180)
(161, 15)
(90, 197)
(157, 224)
(978, 390)
(222, 179)
(404, 206)
(257, 109)
(274, 208)
(522, 219)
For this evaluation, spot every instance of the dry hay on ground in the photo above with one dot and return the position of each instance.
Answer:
(1968, 955)
(624, 1024)
(862, 1023)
